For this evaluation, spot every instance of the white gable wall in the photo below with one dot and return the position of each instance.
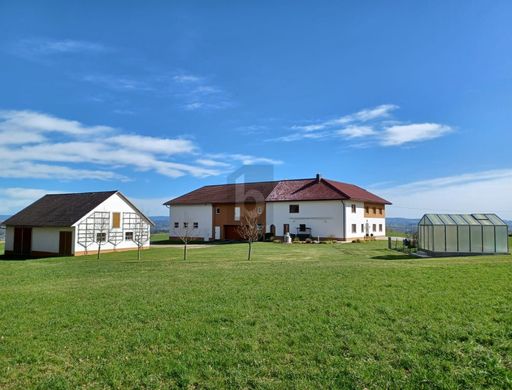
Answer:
(200, 213)
(114, 204)
(324, 217)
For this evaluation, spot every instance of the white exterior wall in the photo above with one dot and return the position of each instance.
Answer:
(9, 238)
(324, 217)
(360, 221)
(47, 239)
(377, 221)
(114, 204)
(201, 213)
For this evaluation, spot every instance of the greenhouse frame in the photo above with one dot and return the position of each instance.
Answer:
(462, 234)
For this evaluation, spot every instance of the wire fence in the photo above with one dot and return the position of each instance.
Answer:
(401, 244)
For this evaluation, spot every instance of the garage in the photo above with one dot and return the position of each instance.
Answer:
(231, 233)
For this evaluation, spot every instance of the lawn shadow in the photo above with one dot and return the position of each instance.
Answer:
(401, 256)
(209, 243)
(4, 257)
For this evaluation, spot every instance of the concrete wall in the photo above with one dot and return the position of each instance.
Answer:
(325, 218)
(202, 214)
(9, 238)
(113, 204)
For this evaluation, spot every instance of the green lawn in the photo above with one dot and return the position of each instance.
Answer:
(300, 316)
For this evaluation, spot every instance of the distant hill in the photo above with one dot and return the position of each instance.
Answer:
(162, 224)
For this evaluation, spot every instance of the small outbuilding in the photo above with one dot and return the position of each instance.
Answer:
(76, 224)
(462, 234)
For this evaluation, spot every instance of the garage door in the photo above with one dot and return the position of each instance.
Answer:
(231, 232)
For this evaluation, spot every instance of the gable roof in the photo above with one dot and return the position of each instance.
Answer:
(278, 191)
(60, 210)
(227, 193)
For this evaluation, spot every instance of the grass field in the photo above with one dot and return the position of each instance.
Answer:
(300, 316)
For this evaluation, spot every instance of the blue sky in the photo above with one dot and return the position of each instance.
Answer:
(410, 100)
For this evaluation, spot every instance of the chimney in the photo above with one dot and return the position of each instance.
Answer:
(318, 177)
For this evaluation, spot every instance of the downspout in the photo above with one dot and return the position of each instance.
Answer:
(344, 220)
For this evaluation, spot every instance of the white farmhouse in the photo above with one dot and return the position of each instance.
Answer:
(316, 208)
(76, 224)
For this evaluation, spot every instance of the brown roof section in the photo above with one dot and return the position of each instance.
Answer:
(356, 193)
(278, 191)
(60, 210)
(227, 193)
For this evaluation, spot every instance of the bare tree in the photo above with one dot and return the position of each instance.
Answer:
(184, 233)
(249, 229)
(101, 229)
(141, 234)
(115, 238)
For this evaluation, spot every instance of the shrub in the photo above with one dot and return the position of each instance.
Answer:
(308, 240)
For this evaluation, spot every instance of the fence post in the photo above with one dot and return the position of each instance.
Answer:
(389, 242)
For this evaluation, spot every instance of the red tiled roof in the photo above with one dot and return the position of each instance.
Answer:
(227, 193)
(278, 191)
(356, 193)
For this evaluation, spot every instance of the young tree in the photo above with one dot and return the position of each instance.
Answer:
(101, 229)
(249, 229)
(141, 234)
(184, 233)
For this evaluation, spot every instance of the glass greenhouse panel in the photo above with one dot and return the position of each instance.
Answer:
(476, 239)
(470, 219)
(439, 243)
(435, 219)
(459, 220)
(446, 219)
(501, 239)
(464, 239)
(495, 220)
(488, 237)
(430, 235)
(451, 239)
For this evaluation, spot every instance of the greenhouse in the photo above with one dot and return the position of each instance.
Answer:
(462, 234)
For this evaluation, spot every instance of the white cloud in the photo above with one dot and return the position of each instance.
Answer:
(368, 114)
(486, 191)
(186, 78)
(211, 163)
(20, 137)
(30, 170)
(13, 199)
(118, 83)
(33, 48)
(372, 124)
(154, 145)
(15, 122)
(356, 131)
(415, 132)
(245, 159)
(75, 154)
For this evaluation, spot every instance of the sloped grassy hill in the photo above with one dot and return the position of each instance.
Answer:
(300, 316)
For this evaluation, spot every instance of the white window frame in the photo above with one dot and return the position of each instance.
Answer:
(354, 208)
(236, 217)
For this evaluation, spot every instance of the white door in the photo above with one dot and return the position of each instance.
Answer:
(217, 232)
